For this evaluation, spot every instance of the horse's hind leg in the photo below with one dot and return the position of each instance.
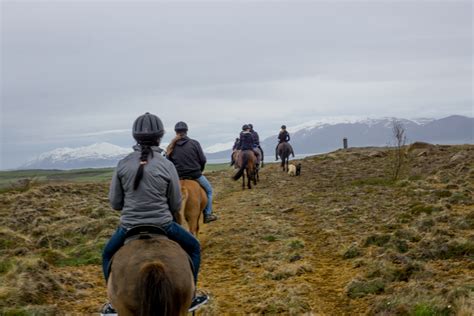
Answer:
(243, 181)
(249, 179)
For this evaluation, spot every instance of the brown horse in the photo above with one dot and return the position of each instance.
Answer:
(283, 151)
(246, 162)
(151, 276)
(193, 202)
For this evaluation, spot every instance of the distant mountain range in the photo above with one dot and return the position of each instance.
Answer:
(307, 138)
(98, 155)
(324, 137)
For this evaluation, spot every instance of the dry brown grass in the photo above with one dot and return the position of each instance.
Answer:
(341, 239)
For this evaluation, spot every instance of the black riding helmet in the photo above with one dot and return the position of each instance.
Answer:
(148, 129)
(245, 127)
(181, 127)
(283, 127)
(250, 125)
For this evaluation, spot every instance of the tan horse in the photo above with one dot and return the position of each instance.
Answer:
(193, 202)
(151, 277)
(246, 161)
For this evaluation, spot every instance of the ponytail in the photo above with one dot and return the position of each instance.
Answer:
(146, 151)
(172, 145)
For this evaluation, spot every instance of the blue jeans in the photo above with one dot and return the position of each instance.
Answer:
(174, 232)
(114, 244)
(207, 187)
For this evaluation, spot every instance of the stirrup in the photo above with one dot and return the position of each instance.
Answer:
(198, 301)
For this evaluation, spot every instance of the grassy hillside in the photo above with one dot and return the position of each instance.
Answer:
(19, 179)
(341, 239)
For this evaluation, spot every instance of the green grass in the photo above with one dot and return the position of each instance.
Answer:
(216, 167)
(12, 180)
(373, 181)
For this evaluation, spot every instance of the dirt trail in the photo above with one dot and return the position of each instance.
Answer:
(266, 255)
(276, 249)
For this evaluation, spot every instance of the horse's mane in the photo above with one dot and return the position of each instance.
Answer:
(172, 145)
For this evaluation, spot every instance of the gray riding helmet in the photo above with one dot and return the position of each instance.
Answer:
(181, 127)
(148, 128)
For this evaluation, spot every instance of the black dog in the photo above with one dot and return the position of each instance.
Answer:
(298, 169)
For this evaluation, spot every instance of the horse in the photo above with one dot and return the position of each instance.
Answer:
(151, 276)
(193, 202)
(246, 161)
(260, 150)
(284, 150)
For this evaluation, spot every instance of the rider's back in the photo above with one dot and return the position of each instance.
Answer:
(188, 158)
(153, 201)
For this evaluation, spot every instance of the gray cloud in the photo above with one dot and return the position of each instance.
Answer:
(74, 71)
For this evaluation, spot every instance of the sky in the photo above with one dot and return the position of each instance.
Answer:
(74, 73)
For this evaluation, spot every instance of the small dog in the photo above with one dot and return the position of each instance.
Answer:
(292, 170)
(298, 169)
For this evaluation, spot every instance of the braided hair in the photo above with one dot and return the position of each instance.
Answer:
(146, 151)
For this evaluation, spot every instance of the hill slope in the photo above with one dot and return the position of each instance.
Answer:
(341, 239)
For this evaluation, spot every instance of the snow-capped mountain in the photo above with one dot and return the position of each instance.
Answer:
(94, 156)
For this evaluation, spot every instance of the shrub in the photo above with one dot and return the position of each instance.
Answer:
(361, 288)
(422, 208)
(352, 252)
(377, 240)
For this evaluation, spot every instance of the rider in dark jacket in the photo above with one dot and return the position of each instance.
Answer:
(246, 139)
(283, 137)
(256, 144)
(255, 137)
(187, 156)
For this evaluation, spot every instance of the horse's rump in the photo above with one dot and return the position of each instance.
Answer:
(151, 276)
(194, 200)
(285, 149)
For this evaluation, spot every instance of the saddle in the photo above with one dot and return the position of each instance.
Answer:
(143, 232)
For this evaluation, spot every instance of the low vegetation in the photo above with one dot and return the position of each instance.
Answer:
(343, 238)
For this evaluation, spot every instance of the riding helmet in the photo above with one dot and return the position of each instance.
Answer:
(181, 127)
(245, 127)
(250, 125)
(148, 128)
(283, 127)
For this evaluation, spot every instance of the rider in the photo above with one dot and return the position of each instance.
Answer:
(256, 139)
(246, 140)
(256, 143)
(283, 137)
(234, 148)
(145, 188)
(187, 156)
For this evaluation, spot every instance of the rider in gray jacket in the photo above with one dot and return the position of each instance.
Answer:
(145, 188)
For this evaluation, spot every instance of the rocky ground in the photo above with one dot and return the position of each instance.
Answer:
(343, 238)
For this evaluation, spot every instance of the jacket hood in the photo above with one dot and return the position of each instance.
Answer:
(182, 141)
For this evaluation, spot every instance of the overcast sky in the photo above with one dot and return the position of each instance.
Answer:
(79, 72)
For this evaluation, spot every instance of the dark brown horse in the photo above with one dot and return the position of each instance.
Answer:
(151, 277)
(246, 162)
(193, 202)
(284, 151)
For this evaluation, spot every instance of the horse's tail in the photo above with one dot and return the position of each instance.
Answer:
(245, 160)
(156, 292)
